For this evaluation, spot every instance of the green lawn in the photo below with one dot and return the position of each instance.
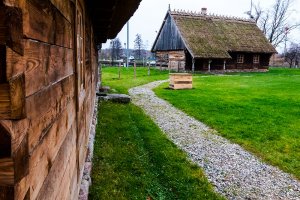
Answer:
(110, 77)
(260, 111)
(133, 159)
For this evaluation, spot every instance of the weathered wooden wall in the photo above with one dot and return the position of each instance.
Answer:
(169, 37)
(174, 60)
(177, 60)
(49, 133)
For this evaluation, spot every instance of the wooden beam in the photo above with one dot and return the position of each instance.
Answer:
(209, 62)
(21, 160)
(17, 97)
(43, 22)
(2, 62)
(6, 172)
(193, 65)
(11, 28)
(5, 143)
(12, 99)
(7, 193)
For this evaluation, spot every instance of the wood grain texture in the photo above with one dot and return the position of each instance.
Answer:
(44, 107)
(21, 160)
(11, 30)
(17, 97)
(45, 155)
(7, 193)
(6, 172)
(43, 22)
(2, 62)
(12, 99)
(42, 64)
(5, 143)
(5, 110)
(17, 129)
(64, 8)
(61, 170)
(181, 81)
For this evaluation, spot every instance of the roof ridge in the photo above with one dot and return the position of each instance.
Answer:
(210, 15)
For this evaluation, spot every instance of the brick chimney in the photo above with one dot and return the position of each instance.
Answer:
(203, 11)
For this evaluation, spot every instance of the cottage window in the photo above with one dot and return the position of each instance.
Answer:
(240, 58)
(256, 59)
(80, 48)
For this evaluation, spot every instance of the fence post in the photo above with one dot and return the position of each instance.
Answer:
(119, 70)
(134, 65)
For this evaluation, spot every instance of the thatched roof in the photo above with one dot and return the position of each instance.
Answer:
(210, 36)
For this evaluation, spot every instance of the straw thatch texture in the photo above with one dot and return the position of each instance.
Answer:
(209, 36)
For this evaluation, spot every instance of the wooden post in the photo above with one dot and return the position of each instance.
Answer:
(160, 66)
(100, 73)
(149, 70)
(119, 70)
(134, 66)
(193, 66)
(209, 62)
(224, 65)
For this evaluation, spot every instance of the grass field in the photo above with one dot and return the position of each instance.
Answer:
(133, 159)
(260, 111)
(110, 77)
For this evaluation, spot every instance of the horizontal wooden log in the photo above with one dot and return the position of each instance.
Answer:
(43, 22)
(17, 97)
(2, 63)
(64, 8)
(61, 169)
(17, 130)
(11, 29)
(12, 99)
(22, 189)
(7, 193)
(6, 172)
(42, 64)
(45, 107)
(5, 110)
(21, 160)
(44, 155)
(181, 81)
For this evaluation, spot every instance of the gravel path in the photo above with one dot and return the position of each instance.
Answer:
(234, 172)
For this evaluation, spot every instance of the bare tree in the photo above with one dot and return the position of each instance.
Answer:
(292, 56)
(274, 22)
(116, 49)
(138, 46)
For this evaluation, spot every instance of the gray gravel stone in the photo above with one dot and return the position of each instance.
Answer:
(119, 98)
(234, 172)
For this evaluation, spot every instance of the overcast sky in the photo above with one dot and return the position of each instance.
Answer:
(148, 19)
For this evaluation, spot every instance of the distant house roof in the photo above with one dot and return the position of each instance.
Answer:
(211, 36)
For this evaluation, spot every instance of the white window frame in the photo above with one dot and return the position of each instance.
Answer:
(240, 58)
(256, 59)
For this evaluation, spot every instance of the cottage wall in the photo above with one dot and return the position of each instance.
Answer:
(48, 114)
(174, 60)
(218, 64)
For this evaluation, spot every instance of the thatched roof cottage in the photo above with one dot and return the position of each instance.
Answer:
(189, 41)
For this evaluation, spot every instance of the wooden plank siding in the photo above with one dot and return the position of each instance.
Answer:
(169, 37)
(49, 136)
